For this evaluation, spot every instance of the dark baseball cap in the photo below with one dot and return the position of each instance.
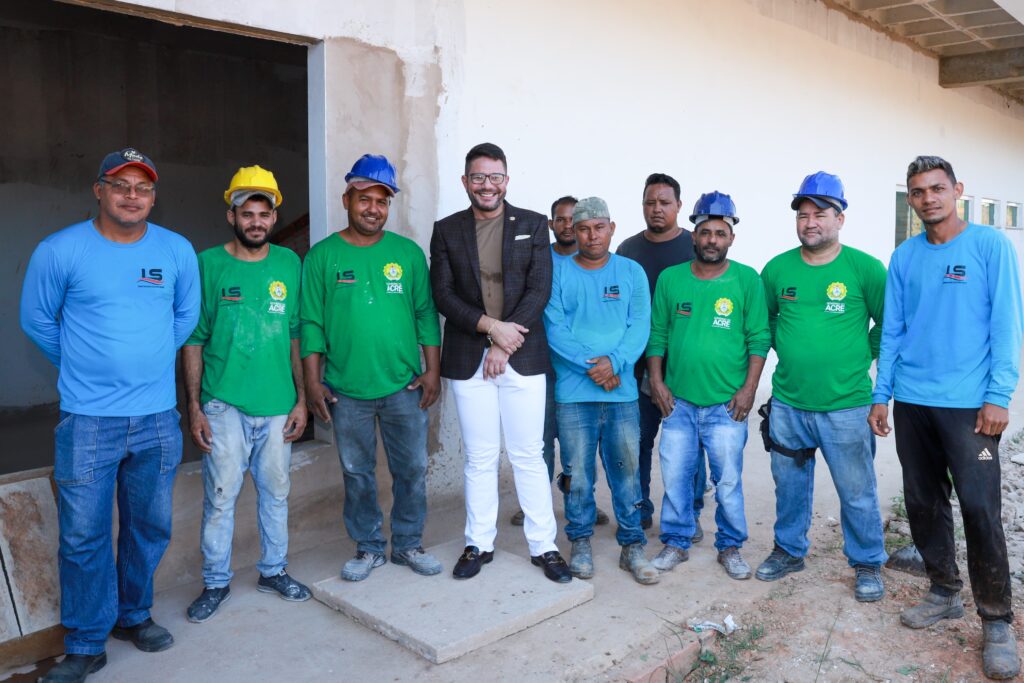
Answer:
(129, 156)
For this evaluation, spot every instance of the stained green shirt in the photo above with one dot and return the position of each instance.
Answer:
(367, 309)
(250, 314)
(716, 325)
(819, 319)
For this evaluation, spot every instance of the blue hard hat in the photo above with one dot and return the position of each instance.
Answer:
(715, 205)
(375, 168)
(824, 189)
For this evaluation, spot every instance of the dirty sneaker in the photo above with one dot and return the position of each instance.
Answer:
(1000, 659)
(418, 560)
(778, 564)
(206, 605)
(632, 560)
(735, 566)
(581, 559)
(931, 609)
(360, 566)
(288, 588)
(669, 557)
(869, 586)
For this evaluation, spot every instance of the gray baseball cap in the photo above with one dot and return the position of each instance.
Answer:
(588, 208)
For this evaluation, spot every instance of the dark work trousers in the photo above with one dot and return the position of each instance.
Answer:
(930, 441)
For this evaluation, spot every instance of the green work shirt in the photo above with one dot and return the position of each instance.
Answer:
(249, 316)
(819, 319)
(715, 325)
(366, 309)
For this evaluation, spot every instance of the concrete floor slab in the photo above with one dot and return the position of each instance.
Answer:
(441, 618)
(28, 543)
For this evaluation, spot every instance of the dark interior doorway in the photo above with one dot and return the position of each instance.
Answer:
(81, 82)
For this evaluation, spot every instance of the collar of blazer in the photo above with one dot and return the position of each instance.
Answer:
(512, 225)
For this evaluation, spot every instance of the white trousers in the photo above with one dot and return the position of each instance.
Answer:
(516, 403)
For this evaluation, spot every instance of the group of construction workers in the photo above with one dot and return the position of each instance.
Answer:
(542, 341)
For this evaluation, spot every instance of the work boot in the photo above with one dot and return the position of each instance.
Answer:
(999, 659)
(360, 566)
(75, 668)
(146, 636)
(869, 586)
(933, 608)
(581, 559)
(778, 564)
(669, 557)
(632, 559)
(602, 517)
(418, 560)
(207, 604)
(735, 566)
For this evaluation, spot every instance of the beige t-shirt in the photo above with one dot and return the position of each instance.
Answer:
(488, 244)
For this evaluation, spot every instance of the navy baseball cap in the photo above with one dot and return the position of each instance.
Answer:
(129, 156)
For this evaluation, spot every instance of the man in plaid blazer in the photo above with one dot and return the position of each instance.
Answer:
(490, 273)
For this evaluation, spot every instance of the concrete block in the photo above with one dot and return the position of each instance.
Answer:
(8, 622)
(28, 543)
(441, 618)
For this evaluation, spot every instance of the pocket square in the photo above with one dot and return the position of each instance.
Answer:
(522, 237)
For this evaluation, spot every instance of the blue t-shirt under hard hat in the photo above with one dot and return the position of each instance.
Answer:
(111, 316)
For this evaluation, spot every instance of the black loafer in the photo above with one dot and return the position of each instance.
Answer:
(75, 668)
(470, 563)
(554, 566)
(147, 636)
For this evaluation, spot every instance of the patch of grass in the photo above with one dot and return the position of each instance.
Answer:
(728, 662)
(899, 506)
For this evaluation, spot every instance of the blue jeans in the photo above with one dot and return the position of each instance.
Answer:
(650, 421)
(138, 456)
(848, 446)
(403, 428)
(682, 434)
(614, 427)
(242, 442)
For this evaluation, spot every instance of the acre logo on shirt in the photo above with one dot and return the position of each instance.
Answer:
(955, 275)
(393, 273)
(611, 293)
(345, 277)
(151, 277)
(723, 309)
(278, 292)
(836, 292)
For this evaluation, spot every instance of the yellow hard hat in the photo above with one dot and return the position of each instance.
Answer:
(254, 179)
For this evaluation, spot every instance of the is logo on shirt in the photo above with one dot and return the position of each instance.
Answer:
(955, 275)
(611, 293)
(788, 294)
(836, 292)
(723, 309)
(345, 277)
(151, 277)
(232, 294)
(393, 272)
(684, 308)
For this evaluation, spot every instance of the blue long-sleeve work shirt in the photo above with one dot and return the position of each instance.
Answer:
(952, 331)
(592, 313)
(110, 316)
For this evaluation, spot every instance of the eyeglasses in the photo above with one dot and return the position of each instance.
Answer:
(479, 178)
(120, 187)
